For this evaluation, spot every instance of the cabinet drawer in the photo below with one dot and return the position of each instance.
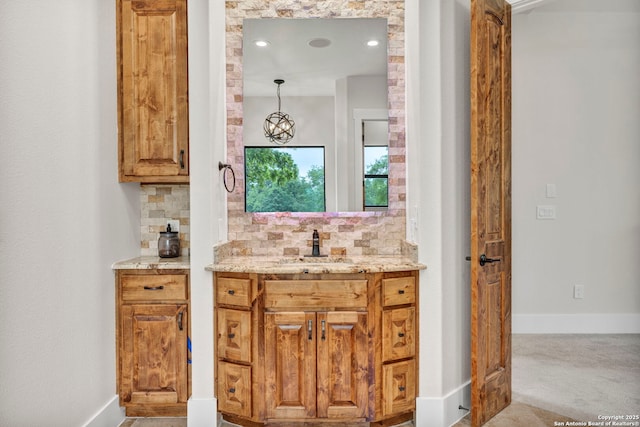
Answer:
(234, 334)
(397, 291)
(234, 389)
(398, 387)
(398, 333)
(233, 291)
(315, 294)
(157, 287)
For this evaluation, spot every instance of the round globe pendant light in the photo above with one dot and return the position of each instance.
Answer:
(279, 127)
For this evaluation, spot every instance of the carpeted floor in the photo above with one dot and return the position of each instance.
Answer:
(556, 379)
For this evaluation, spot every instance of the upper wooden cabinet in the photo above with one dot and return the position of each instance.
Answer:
(153, 112)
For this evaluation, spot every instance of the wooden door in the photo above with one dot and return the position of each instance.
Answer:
(342, 364)
(154, 354)
(153, 87)
(290, 365)
(490, 208)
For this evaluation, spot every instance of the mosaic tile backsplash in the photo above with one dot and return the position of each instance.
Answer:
(158, 204)
(352, 233)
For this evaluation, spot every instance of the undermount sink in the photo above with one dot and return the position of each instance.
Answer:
(315, 260)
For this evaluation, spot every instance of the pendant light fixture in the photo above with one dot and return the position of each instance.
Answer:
(279, 127)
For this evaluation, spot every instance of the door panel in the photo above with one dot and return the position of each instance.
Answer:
(342, 365)
(155, 353)
(490, 208)
(290, 365)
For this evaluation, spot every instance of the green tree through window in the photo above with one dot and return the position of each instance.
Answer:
(376, 176)
(274, 182)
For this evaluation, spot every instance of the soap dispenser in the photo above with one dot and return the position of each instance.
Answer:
(316, 244)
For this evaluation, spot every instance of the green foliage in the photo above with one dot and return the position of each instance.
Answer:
(273, 183)
(376, 190)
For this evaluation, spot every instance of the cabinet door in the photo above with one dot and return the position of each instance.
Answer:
(234, 335)
(398, 387)
(234, 389)
(154, 354)
(342, 365)
(398, 338)
(153, 90)
(290, 365)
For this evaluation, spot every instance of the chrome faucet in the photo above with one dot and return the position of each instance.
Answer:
(316, 244)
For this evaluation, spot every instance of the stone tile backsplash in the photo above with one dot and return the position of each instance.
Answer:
(158, 204)
(289, 234)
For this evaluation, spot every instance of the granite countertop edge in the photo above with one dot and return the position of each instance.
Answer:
(298, 265)
(153, 263)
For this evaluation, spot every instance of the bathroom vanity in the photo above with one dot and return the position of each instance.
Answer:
(152, 330)
(312, 340)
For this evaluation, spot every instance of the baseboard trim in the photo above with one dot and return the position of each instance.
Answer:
(110, 415)
(202, 412)
(624, 323)
(443, 411)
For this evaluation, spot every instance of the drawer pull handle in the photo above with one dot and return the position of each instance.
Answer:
(401, 388)
(323, 329)
(310, 329)
(231, 336)
(180, 320)
(181, 159)
(401, 291)
(232, 390)
(231, 292)
(401, 334)
(153, 288)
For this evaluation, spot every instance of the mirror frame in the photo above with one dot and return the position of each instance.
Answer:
(244, 227)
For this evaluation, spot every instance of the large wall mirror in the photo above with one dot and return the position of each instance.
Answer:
(332, 107)
(331, 68)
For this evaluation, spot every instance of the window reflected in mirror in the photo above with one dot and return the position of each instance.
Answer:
(284, 179)
(375, 156)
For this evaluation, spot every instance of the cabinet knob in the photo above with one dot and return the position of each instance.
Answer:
(231, 292)
(232, 336)
(232, 390)
(401, 388)
(401, 291)
(401, 334)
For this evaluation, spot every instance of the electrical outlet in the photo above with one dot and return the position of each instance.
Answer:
(578, 291)
(175, 225)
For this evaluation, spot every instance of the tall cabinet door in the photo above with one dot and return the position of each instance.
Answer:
(153, 90)
(154, 353)
(342, 364)
(290, 364)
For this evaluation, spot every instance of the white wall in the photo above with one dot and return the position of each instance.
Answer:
(438, 199)
(64, 219)
(576, 110)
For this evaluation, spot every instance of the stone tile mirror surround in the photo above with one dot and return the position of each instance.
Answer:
(341, 233)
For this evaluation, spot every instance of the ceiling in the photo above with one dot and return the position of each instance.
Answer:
(310, 71)
(307, 70)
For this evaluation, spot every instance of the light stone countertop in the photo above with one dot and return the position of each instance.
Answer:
(314, 265)
(153, 262)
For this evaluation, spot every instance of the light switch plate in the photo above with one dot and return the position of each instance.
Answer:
(551, 191)
(545, 212)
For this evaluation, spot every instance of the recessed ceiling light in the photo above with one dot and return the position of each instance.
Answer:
(319, 42)
(261, 43)
(372, 43)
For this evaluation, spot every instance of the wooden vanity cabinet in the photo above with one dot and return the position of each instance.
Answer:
(316, 348)
(153, 127)
(152, 331)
